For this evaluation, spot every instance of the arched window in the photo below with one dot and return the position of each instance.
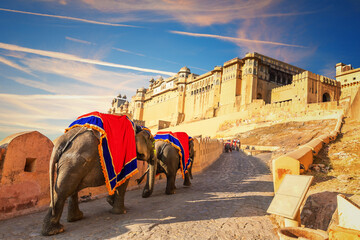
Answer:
(259, 96)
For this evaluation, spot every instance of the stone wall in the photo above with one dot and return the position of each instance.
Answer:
(24, 173)
(207, 151)
(355, 107)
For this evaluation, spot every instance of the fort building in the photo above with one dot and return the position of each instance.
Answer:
(306, 88)
(232, 87)
(349, 79)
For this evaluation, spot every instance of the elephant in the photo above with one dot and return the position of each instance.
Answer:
(169, 163)
(78, 166)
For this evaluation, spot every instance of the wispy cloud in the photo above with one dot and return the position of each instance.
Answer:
(16, 66)
(235, 39)
(126, 51)
(49, 114)
(67, 18)
(70, 57)
(78, 40)
(86, 76)
(200, 12)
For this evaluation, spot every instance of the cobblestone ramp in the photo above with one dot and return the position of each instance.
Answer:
(227, 201)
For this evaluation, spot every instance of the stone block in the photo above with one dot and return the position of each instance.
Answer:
(315, 145)
(349, 213)
(289, 233)
(304, 155)
(325, 138)
(340, 233)
(284, 165)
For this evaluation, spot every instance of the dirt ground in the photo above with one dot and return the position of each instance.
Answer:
(288, 136)
(342, 158)
(339, 161)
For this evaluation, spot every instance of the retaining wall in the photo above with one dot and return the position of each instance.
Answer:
(24, 173)
(299, 160)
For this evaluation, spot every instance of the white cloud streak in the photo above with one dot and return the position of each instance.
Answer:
(67, 18)
(234, 39)
(69, 57)
(78, 41)
(16, 66)
(199, 12)
(126, 51)
(92, 79)
(50, 114)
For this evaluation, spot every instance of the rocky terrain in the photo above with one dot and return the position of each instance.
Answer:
(336, 169)
(342, 158)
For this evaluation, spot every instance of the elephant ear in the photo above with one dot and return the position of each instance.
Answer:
(97, 134)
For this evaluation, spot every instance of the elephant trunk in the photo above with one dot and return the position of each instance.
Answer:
(149, 187)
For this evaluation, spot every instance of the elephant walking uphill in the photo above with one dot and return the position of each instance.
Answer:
(96, 149)
(174, 151)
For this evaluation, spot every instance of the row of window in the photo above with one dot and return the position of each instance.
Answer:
(203, 89)
(229, 69)
(207, 80)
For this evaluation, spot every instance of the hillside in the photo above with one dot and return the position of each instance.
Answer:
(339, 161)
(288, 136)
(342, 158)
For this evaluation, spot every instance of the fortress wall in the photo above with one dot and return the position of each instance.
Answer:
(24, 182)
(165, 109)
(207, 151)
(197, 104)
(355, 107)
(299, 160)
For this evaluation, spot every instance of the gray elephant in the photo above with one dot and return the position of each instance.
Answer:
(78, 166)
(169, 163)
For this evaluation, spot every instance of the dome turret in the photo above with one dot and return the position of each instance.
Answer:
(185, 70)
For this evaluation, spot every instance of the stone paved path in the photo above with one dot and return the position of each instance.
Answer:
(227, 201)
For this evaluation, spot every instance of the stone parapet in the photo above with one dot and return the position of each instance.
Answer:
(302, 157)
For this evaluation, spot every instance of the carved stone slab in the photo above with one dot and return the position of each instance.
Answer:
(290, 195)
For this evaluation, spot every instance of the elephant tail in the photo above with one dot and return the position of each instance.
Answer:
(58, 150)
(55, 156)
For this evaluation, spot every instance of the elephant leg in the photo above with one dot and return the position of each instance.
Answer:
(170, 185)
(74, 212)
(118, 205)
(111, 199)
(51, 224)
(187, 180)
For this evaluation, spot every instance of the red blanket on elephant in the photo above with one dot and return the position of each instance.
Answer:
(180, 140)
(117, 147)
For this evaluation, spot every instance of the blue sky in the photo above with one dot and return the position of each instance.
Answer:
(60, 58)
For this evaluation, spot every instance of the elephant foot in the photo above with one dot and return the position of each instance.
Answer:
(110, 199)
(146, 193)
(72, 217)
(52, 229)
(170, 192)
(118, 210)
(187, 184)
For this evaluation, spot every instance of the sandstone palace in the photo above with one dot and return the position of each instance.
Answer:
(235, 86)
